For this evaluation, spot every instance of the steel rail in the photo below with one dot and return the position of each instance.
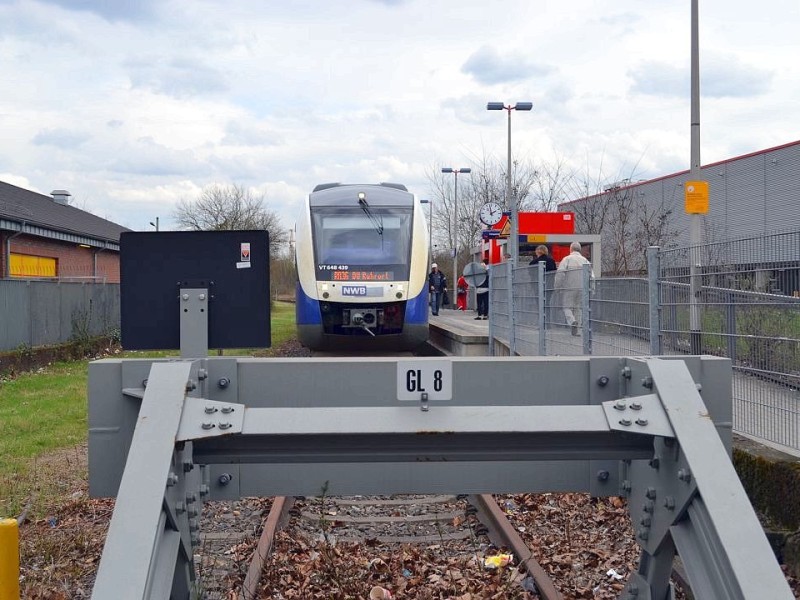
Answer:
(275, 519)
(502, 533)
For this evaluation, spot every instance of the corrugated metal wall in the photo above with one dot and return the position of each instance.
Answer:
(749, 196)
(38, 313)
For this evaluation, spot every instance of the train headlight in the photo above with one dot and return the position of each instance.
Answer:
(326, 295)
(399, 295)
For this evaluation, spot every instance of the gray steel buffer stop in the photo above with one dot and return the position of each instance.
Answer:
(656, 431)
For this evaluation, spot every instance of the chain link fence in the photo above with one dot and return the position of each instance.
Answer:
(749, 302)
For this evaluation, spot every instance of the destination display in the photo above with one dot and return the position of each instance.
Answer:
(361, 275)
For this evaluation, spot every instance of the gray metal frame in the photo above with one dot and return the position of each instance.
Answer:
(165, 435)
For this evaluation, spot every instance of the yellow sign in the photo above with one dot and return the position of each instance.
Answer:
(696, 197)
(537, 238)
(506, 230)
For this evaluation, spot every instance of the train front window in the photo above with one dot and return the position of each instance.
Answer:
(376, 245)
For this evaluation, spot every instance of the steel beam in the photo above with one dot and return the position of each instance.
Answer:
(142, 553)
(656, 431)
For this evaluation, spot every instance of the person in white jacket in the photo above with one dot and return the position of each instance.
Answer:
(569, 280)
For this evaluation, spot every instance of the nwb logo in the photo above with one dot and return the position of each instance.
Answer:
(354, 290)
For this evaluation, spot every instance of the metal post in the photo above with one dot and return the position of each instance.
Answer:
(512, 205)
(453, 284)
(543, 308)
(455, 172)
(654, 298)
(695, 231)
(586, 307)
(430, 232)
(489, 303)
(9, 558)
(730, 324)
(512, 322)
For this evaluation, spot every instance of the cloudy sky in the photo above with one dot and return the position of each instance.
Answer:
(132, 105)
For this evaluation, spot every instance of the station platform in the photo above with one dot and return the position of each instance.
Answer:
(458, 333)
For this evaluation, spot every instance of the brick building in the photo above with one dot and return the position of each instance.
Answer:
(44, 237)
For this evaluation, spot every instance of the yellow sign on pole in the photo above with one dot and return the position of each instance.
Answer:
(506, 230)
(696, 197)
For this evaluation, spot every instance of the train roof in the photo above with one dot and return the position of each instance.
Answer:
(326, 186)
(374, 194)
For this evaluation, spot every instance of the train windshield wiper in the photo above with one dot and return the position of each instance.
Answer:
(377, 222)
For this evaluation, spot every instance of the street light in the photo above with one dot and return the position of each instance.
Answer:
(455, 221)
(509, 200)
(430, 227)
(155, 224)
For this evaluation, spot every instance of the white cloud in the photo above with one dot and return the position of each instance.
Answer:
(132, 106)
(721, 77)
(488, 66)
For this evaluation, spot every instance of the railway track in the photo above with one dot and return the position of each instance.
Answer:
(450, 530)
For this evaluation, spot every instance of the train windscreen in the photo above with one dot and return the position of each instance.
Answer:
(351, 244)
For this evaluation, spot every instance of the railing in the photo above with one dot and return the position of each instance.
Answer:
(743, 318)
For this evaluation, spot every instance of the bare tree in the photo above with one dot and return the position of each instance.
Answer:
(617, 210)
(590, 205)
(229, 207)
(551, 185)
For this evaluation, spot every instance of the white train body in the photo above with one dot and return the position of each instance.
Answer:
(361, 253)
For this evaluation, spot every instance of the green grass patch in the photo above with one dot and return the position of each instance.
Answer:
(282, 329)
(40, 412)
(46, 410)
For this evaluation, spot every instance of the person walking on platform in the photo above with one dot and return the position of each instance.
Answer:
(482, 294)
(461, 293)
(437, 285)
(569, 280)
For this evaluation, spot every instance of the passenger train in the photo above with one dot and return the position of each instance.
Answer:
(361, 254)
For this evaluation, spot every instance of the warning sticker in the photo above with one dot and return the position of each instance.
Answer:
(696, 197)
(245, 251)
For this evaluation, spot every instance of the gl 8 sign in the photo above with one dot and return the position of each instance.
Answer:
(431, 377)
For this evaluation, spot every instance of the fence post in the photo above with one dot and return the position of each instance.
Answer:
(542, 308)
(586, 309)
(491, 309)
(512, 320)
(654, 298)
(730, 327)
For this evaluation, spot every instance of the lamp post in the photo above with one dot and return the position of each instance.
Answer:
(430, 228)
(512, 204)
(155, 224)
(455, 172)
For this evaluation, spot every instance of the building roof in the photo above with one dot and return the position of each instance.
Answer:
(36, 214)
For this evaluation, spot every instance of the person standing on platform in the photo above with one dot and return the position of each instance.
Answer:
(482, 294)
(569, 280)
(437, 285)
(543, 255)
(461, 293)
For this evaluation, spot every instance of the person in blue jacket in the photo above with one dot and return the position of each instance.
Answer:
(437, 285)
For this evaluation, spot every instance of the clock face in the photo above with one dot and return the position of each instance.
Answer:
(491, 213)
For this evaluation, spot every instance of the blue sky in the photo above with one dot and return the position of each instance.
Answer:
(133, 105)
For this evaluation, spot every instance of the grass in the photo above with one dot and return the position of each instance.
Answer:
(46, 411)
